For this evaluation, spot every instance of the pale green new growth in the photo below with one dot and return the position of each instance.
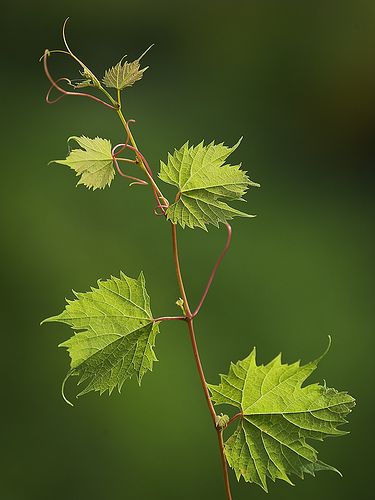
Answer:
(93, 162)
(115, 333)
(278, 417)
(204, 185)
(124, 74)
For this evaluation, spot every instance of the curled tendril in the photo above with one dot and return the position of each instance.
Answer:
(55, 84)
(89, 79)
(52, 101)
(128, 133)
(162, 203)
(136, 180)
(86, 71)
(159, 205)
(159, 210)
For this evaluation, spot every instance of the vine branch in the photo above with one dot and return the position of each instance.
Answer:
(190, 323)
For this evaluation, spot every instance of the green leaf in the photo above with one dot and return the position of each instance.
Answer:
(278, 417)
(205, 183)
(124, 74)
(114, 333)
(93, 162)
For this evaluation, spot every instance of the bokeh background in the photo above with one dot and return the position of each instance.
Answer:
(297, 80)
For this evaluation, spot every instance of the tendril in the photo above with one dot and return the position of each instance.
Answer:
(162, 203)
(136, 180)
(216, 266)
(159, 210)
(54, 83)
(128, 133)
(52, 101)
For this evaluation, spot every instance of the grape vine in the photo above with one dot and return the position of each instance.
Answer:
(276, 416)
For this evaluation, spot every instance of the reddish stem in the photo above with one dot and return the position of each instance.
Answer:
(224, 465)
(198, 363)
(66, 92)
(218, 262)
(190, 323)
(235, 417)
(140, 155)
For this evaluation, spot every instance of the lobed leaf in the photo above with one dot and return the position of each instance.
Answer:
(205, 185)
(114, 333)
(279, 416)
(93, 162)
(123, 74)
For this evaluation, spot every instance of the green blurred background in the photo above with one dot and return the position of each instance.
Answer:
(297, 80)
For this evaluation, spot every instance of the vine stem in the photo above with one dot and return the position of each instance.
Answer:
(190, 323)
(224, 464)
(189, 316)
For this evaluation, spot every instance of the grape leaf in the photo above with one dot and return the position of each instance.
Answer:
(204, 185)
(114, 333)
(123, 75)
(93, 162)
(278, 416)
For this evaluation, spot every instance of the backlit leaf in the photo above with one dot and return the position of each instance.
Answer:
(279, 417)
(205, 185)
(124, 74)
(114, 333)
(93, 163)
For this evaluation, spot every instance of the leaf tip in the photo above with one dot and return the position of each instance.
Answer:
(237, 143)
(50, 319)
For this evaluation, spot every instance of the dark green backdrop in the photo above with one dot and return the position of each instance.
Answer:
(297, 80)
